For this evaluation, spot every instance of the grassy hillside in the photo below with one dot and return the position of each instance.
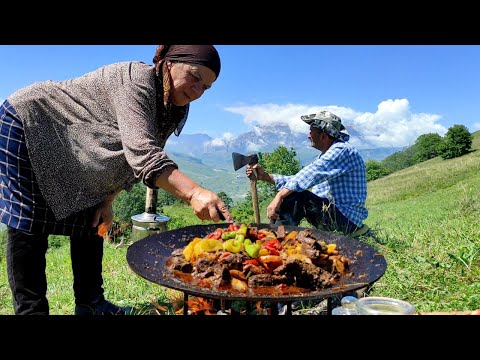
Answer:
(424, 220)
(221, 178)
(426, 224)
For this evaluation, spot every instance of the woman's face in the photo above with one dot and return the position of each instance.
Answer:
(189, 81)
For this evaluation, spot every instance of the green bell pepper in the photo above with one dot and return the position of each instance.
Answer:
(252, 249)
(232, 246)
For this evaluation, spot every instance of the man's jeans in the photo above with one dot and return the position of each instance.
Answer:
(319, 212)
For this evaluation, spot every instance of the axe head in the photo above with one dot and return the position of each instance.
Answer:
(240, 160)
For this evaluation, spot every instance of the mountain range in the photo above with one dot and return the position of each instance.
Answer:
(209, 161)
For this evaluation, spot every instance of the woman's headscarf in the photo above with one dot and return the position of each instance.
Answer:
(205, 55)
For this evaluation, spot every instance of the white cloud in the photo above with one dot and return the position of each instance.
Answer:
(217, 142)
(222, 141)
(475, 127)
(251, 147)
(393, 124)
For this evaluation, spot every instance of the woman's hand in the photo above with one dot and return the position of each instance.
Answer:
(208, 206)
(104, 212)
(205, 204)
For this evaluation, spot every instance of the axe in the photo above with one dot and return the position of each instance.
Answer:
(240, 161)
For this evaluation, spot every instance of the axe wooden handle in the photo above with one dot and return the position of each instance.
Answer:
(253, 191)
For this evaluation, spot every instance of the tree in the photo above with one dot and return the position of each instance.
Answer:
(400, 160)
(243, 212)
(226, 199)
(129, 203)
(457, 142)
(375, 170)
(427, 147)
(279, 161)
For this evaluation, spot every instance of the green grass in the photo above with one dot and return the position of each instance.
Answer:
(425, 220)
(426, 224)
(122, 285)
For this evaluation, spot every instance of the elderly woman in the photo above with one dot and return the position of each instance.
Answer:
(68, 148)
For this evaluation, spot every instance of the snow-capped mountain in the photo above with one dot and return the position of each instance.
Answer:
(265, 139)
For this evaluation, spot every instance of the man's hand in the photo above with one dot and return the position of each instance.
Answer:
(261, 174)
(274, 207)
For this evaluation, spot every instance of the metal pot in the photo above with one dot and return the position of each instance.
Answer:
(147, 224)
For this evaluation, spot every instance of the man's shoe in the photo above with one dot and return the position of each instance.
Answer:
(102, 307)
(359, 232)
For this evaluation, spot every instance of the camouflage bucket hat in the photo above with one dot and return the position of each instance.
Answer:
(329, 123)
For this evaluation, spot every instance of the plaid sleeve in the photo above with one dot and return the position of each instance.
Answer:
(330, 165)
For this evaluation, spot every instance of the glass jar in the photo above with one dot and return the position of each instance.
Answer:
(348, 306)
(375, 305)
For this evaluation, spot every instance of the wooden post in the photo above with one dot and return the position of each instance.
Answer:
(151, 201)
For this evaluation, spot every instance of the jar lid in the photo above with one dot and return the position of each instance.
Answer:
(376, 305)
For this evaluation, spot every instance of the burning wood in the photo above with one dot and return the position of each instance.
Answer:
(198, 306)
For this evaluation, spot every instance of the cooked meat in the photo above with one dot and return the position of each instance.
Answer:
(233, 261)
(204, 264)
(179, 263)
(260, 280)
(177, 252)
(254, 269)
(221, 276)
(307, 275)
(301, 261)
(280, 233)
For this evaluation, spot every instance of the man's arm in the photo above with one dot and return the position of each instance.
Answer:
(274, 206)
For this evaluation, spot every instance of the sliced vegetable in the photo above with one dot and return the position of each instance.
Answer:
(273, 246)
(262, 234)
(217, 234)
(240, 237)
(229, 235)
(232, 246)
(252, 249)
(207, 245)
(242, 229)
(239, 285)
(232, 227)
(330, 248)
(290, 235)
(188, 251)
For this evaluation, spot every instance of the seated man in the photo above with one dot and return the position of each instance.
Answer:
(336, 177)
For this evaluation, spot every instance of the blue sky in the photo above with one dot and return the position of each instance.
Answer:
(390, 94)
